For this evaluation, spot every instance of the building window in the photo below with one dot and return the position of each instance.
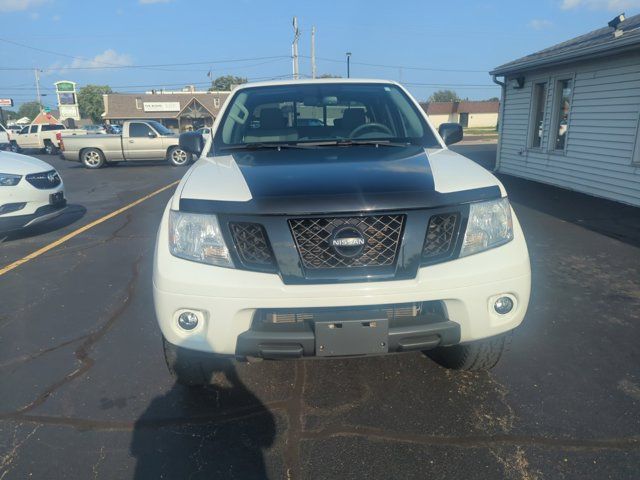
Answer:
(636, 152)
(216, 102)
(139, 103)
(537, 126)
(563, 106)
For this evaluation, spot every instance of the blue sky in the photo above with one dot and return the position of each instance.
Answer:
(465, 38)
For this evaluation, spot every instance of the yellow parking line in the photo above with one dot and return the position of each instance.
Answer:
(80, 230)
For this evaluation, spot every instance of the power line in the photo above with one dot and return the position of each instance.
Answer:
(427, 69)
(109, 65)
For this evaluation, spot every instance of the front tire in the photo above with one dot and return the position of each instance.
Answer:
(479, 355)
(193, 368)
(178, 157)
(92, 158)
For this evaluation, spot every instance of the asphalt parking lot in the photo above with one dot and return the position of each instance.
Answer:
(85, 392)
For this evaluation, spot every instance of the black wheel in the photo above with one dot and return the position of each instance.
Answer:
(478, 355)
(178, 157)
(92, 158)
(50, 148)
(193, 368)
(15, 148)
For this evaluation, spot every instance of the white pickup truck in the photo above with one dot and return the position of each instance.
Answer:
(42, 137)
(140, 140)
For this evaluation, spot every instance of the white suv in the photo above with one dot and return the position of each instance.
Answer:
(31, 192)
(328, 218)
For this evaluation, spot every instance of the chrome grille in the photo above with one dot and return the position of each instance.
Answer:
(380, 232)
(44, 180)
(252, 244)
(441, 234)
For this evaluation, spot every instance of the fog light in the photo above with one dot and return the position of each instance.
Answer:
(503, 305)
(188, 320)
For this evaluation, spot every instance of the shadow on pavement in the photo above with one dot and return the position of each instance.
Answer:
(613, 219)
(219, 431)
(69, 216)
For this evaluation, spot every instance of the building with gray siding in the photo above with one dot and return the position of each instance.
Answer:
(570, 114)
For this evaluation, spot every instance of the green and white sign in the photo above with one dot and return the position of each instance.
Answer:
(67, 100)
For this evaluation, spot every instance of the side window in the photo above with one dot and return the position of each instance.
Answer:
(139, 130)
(536, 128)
(33, 129)
(562, 108)
(24, 131)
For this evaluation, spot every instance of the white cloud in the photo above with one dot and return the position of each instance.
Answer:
(108, 58)
(540, 24)
(612, 5)
(19, 5)
(149, 2)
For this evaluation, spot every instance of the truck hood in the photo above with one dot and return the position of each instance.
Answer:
(334, 179)
(21, 164)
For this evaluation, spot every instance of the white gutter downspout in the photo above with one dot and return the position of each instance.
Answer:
(503, 94)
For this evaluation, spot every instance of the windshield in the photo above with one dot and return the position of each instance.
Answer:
(161, 129)
(316, 113)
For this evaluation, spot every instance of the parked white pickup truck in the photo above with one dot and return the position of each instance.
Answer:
(140, 140)
(42, 137)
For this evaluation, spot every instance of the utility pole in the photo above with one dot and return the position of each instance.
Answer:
(348, 64)
(294, 47)
(313, 52)
(37, 73)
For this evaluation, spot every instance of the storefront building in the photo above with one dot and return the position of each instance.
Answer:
(179, 111)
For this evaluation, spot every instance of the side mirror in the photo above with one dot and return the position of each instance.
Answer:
(152, 135)
(191, 142)
(450, 132)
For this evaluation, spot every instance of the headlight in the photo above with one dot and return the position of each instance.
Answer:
(9, 179)
(197, 237)
(489, 226)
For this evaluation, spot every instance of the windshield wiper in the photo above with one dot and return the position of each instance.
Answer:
(266, 146)
(349, 142)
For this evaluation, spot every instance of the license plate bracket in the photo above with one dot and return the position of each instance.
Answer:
(56, 198)
(352, 337)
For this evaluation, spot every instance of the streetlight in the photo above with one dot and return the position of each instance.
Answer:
(348, 64)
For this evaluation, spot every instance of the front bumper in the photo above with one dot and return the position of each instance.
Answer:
(226, 300)
(37, 205)
(41, 214)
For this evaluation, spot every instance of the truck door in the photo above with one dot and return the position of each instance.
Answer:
(142, 143)
(30, 139)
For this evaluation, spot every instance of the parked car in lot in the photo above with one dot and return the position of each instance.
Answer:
(140, 140)
(97, 129)
(43, 137)
(359, 233)
(31, 191)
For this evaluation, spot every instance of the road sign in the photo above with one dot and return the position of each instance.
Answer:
(6, 102)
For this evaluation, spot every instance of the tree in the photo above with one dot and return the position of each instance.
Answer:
(226, 83)
(493, 99)
(29, 110)
(8, 115)
(329, 75)
(444, 96)
(90, 101)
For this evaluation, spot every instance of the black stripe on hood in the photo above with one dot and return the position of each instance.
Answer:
(340, 179)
